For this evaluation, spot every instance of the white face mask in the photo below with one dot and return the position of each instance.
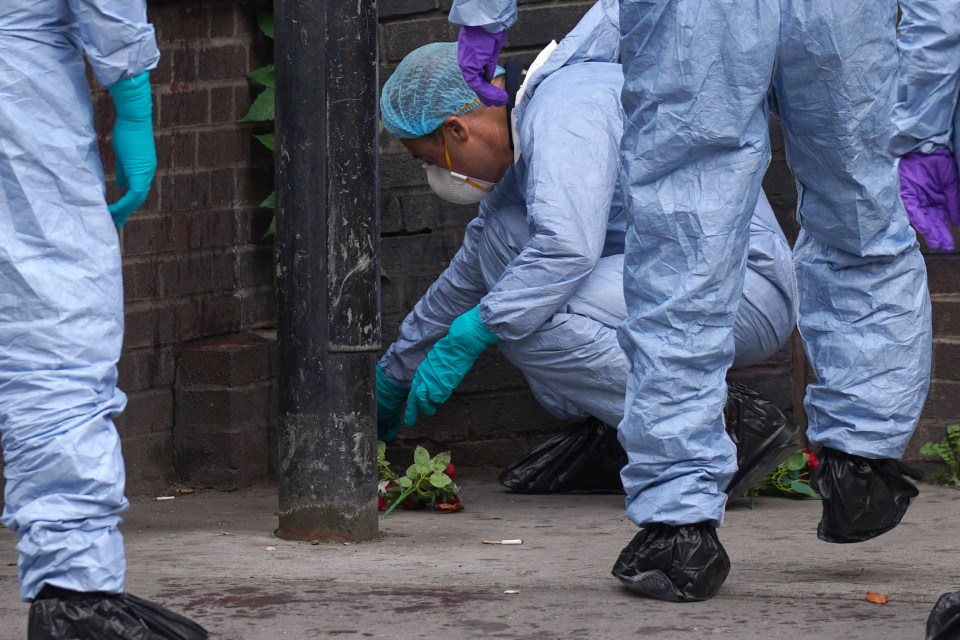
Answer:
(456, 188)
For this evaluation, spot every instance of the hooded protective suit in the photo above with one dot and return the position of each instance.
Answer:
(695, 147)
(61, 297)
(544, 258)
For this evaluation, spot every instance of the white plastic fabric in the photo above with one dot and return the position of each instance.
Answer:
(61, 296)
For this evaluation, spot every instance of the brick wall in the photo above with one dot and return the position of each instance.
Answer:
(194, 264)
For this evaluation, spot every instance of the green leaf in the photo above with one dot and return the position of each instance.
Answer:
(268, 140)
(381, 449)
(929, 450)
(440, 480)
(270, 202)
(796, 461)
(441, 460)
(421, 456)
(405, 482)
(262, 109)
(413, 472)
(271, 230)
(424, 469)
(265, 22)
(804, 488)
(263, 76)
(384, 275)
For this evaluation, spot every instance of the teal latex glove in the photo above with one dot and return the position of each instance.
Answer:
(389, 399)
(133, 144)
(447, 363)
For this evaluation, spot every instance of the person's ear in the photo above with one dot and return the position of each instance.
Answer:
(457, 129)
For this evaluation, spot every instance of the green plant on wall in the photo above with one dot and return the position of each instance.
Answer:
(262, 109)
(948, 450)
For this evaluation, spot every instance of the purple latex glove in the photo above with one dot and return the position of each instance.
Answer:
(930, 190)
(477, 54)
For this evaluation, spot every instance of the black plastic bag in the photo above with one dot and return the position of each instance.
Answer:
(58, 614)
(685, 563)
(944, 620)
(764, 435)
(585, 457)
(862, 498)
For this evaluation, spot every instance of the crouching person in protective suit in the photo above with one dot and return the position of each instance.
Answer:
(540, 271)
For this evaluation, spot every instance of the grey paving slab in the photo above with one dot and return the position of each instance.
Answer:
(429, 575)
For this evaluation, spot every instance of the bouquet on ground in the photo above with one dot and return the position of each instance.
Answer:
(792, 478)
(427, 484)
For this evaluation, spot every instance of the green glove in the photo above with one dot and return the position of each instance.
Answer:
(389, 399)
(133, 144)
(447, 363)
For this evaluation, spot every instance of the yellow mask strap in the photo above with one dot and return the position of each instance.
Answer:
(446, 151)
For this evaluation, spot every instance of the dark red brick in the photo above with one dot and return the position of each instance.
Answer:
(223, 187)
(140, 279)
(213, 229)
(181, 23)
(223, 147)
(226, 408)
(162, 74)
(184, 108)
(946, 314)
(185, 191)
(196, 273)
(395, 8)
(946, 359)
(146, 368)
(223, 18)
(184, 65)
(223, 63)
(222, 109)
(149, 463)
(228, 361)
(243, 97)
(146, 234)
(148, 412)
(942, 400)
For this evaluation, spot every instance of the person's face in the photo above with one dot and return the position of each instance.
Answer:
(462, 145)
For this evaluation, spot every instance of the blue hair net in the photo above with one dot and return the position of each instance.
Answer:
(425, 89)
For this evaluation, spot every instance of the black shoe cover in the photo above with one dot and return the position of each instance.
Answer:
(59, 614)
(764, 435)
(585, 457)
(944, 620)
(862, 498)
(685, 563)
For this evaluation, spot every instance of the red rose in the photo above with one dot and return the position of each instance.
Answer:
(812, 460)
(381, 504)
(451, 472)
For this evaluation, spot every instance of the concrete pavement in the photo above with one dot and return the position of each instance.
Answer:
(205, 554)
